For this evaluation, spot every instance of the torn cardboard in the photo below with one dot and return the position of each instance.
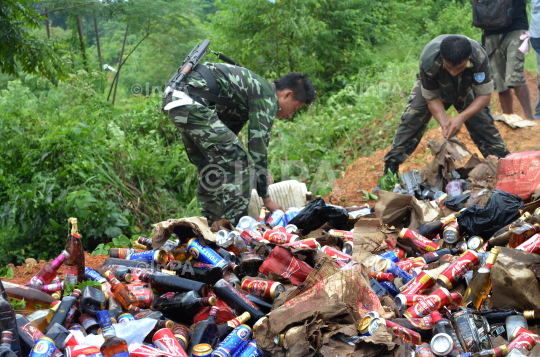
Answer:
(194, 226)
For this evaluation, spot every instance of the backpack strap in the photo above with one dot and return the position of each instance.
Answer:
(213, 89)
(498, 43)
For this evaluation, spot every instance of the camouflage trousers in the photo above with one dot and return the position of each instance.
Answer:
(506, 61)
(223, 164)
(416, 117)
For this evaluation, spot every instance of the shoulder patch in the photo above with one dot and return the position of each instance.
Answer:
(480, 77)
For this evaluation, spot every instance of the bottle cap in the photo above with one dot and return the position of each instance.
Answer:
(212, 301)
(169, 324)
(65, 254)
(76, 293)
(128, 278)
(57, 295)
(528, 315)
(214, 311)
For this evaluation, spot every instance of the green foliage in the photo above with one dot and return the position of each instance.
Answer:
(17, 305)
(6, 272)
(120, 242)
(389, 181)
(19, 50)
(69, 287)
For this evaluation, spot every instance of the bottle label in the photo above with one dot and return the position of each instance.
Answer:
(87, 321)
(70, 274)
(31, 331)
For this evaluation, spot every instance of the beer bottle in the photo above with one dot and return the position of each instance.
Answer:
(521, 234)
(174, 283)
(235, 299)
(431, 229)
(64, 309)
(46, 274)
(74, 265)
(436, 255)
(206, 331)
(205, 273)
(113, 346)
(5, 344)
(115, 309)
(480, 285)
(124, 296)
(32, 296)
(226, 328)
(513, 225)
(182, 307)
(29, 334)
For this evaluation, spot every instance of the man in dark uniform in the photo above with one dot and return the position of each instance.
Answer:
(454, 70)
(227, 171)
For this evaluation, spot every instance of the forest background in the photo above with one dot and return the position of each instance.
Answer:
(74, 141)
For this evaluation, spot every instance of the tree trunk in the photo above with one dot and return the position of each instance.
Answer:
(97, 44)
(47, 25)
(83, 50)
(120, 65)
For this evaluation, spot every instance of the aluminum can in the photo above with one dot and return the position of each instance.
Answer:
(309, 243)
(125, 318)
(456, 300)
(360, 212)
(82, 351)
(44, 347)
(336, 254)
(123, 253)
(391, 288)
(164, 340)
(421, 242)
(91, 274)
(247, 222)
(206, 254)
(77, 327)
(266, 289)
(290, 214)
(202, 350)
(382, 276)
(278, 237)
(424, 352)
(457, 269)
(393, 255)
(518, 331)
(347, 235)
(233, 341)
(251, 350)
(475, 243)
(531, 245)
(276, 218)
(290, 228)
(143, 294)
(419, 284)
(363, 326)
(472, 330)
(147, 351)
(438, 299)
(411, 263)
(523, 340)
(404, 333)
(181, 333)
(280, 229)
(388, 266)
(158, 256)
(442, 344)
(407, 300)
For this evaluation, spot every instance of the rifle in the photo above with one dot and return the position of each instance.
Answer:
(191, 61)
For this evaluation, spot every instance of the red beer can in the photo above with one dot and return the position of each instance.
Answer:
(147, 351)
(424, 352)
(345, 234)
(248, 235)
(336, 254)
(518, 331)
(280, 228)
(284, 263)
(421, 242)
(411, 263)
(423, 323)
(457, 269)
(309, 243)
(266, 289)
(278, 237)
(418, 285)
(523, 340)
(404, 333)
(381, 276)
(407, 300)
(143, 294)
(81, 350)
(456, 300)
(433, 302)
(531, 245)
(164, 340)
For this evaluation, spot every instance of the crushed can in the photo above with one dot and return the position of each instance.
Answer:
(472, 330)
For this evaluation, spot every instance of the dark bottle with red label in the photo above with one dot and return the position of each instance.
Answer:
(206, 331)
(436, 255)
(182, 307)
(8, 321)
(65, 309)
(235, 299)
(74, 264)
(29, 334)
(5, 345)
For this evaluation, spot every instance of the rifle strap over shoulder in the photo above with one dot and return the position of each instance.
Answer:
(212, 94)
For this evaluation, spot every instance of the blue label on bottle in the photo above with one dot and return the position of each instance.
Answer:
(91, 274)
(206, 254)
(104, 319)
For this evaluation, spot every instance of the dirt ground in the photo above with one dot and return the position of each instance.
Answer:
(364, 173)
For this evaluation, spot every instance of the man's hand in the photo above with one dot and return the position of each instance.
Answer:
(453, 126)
(271, 205)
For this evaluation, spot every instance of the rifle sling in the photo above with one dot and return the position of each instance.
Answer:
(213, 89)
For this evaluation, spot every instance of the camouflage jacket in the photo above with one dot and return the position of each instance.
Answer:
(257, 102)
(437, 81)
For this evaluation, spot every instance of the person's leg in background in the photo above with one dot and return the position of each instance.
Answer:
(535, 42)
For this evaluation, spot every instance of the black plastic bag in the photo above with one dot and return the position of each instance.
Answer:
(457, 202)
(316, 213)
(501, 209)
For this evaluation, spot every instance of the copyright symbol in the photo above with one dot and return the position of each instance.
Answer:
(136, 89)
(212, 177)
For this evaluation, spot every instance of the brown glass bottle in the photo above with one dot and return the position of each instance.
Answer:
(124, 296)
(521, 234)
(431, 229)
(174, 283)
(74, 265)
(182, 307)
(480, 285)
(65, 309)
(113, 346)
(206, 331)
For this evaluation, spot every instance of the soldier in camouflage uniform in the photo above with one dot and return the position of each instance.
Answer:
(454, 70)
(227, 171)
